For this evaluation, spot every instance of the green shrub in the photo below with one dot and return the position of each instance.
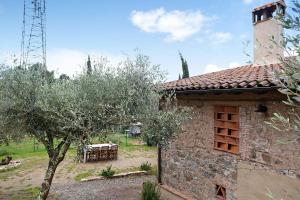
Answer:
(108, 172)
(146, 166)
(149, 139)
(150, 191)
(110, 137)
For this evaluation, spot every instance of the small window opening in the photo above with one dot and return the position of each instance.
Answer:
(226, 129)
(220, 192)
(219, 116)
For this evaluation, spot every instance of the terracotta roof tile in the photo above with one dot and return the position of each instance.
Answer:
(241, 77)
(270, 5)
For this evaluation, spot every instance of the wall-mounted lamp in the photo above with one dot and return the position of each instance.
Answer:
(261, 108)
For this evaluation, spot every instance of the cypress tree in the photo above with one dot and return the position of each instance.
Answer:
(179, 77)
(89, 66)
(185, 67)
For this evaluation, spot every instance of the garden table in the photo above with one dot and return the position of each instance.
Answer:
(89, 147)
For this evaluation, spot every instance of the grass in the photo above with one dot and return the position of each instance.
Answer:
(22, 149)
(126, 170)
(33, 158)
(153, 170)
(133, 144)
(82, 175)
(32, 191)
(26, 194)
(26, 147)
(27, 164)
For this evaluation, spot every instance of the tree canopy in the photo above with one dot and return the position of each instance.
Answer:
(62, 111)
(290, 75)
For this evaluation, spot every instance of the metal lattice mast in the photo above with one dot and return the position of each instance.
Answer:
(33, 46)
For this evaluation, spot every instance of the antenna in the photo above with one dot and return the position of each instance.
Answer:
(33, 45)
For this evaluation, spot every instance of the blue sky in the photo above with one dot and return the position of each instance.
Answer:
(210, 34)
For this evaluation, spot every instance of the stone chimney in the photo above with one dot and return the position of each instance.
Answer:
(267, 28)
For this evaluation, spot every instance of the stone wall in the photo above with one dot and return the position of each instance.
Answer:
(191, 165)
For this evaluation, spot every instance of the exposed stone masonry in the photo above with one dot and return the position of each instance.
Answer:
(191, 165)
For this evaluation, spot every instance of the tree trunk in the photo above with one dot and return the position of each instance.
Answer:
(159, 163)
(79, 155)
(6, 140)
(80, 147)
(55, 157)
(52, 165)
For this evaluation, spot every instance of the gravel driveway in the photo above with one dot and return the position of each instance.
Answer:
(128, 188)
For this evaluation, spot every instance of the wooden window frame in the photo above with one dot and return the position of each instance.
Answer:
(226, 128)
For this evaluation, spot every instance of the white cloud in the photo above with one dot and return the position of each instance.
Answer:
(67, 61)
(70, 61)
(220, 37)
(178, 25)
(233, 65)
(213, 68)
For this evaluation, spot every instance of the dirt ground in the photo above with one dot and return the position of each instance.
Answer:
(128, 188)
(30, 174)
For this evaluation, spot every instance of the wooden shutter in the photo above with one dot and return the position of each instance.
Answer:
(226, 136)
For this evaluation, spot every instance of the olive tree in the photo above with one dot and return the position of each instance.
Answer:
(55, 112)
(64, 111)
(138, 84)
(290, 75)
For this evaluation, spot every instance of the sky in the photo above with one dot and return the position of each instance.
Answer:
(211, 35)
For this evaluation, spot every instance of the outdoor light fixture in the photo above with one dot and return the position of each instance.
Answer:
(261, 108)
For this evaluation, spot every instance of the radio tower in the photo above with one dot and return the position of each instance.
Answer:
(33, 46)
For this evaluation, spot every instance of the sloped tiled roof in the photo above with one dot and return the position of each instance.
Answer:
(241, 77)
(269, 5)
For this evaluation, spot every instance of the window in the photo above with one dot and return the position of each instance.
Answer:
(220, 192)
(226, 136)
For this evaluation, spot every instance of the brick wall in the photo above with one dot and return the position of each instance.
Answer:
(192, 166)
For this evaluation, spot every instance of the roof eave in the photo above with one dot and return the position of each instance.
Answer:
(226, 91)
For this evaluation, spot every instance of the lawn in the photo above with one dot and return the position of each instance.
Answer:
(28, 177)
(29, 147)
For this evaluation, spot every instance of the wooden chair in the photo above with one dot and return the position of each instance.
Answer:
(104, 153)
(114, 152)
(95, 153)
(89, 155)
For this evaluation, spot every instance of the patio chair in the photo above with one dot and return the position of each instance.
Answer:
(104, 153)
(114, 152)
(95, 153)
(89, 155)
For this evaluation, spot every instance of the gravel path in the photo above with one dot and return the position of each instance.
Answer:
(128, 188)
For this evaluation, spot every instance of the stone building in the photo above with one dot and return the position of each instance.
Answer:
(226, 151)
